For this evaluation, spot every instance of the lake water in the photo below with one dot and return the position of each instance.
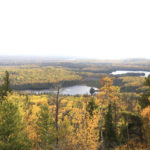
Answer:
(125, 72)
(80, 89)
(72, 90)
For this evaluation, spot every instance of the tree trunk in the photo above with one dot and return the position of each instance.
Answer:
(56, 117)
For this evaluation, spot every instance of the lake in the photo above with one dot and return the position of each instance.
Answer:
(72, 90)
(147, 73)
(80, 89)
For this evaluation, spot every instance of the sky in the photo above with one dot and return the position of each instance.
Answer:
(101, 29)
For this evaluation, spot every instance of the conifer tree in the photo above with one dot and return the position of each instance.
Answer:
(144, 101)
(110, 135)
(91, 106)
(5, 88)
(45, 128)
(12, 129)
(6, 84)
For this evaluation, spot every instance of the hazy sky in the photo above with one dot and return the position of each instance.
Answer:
(105, 29)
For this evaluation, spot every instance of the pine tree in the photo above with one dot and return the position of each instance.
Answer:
(91, 106)
(45, 128)
(5, 88)
(110, 135)
(144, 99)
(12, 130)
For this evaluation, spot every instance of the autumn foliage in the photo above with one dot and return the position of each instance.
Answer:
(102, 121)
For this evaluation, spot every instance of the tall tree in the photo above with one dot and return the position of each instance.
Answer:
(57, 101)
(108, 93)
(144, 101)
(110, 134)
(91, 106)
(5, 88)
(45, 128)
(12, 130)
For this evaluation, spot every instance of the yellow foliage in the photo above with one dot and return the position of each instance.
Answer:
(146, 112)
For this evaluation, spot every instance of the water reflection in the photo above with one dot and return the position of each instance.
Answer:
(72, 90)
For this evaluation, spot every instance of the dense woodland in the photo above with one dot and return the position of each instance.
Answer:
(109, 120)
(118, 117)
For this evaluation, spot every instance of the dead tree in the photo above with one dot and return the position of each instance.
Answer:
(57, 98)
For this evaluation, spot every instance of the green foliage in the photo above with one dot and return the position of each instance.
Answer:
(12, 130)
(147, 81)
(91, 106)
(144, 99)
(5, 88)
(132, 127)
(45, 128)
(110, 134)
(6, 84)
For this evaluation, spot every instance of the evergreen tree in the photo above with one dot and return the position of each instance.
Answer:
(91, 106)
(45, 128)
(5, 88)
(147, 81)
(12, 130)
(132, 127)
(144, 99)
(110, 135)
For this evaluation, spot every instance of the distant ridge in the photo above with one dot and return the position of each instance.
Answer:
(136, 60)
(19, 60)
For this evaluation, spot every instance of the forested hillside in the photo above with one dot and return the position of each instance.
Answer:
(39, 74)
(109, 120)
(36, 77)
